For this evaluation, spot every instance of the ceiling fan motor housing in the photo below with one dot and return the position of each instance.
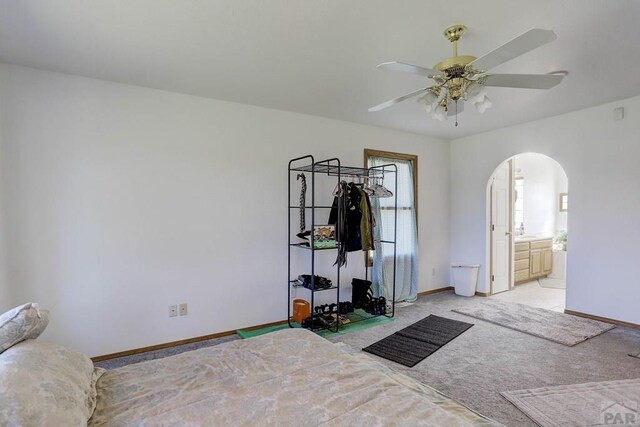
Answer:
(454, 64)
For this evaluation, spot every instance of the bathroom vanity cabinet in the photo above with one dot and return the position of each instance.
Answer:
(533, 258)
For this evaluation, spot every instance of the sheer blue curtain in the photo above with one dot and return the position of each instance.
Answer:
(406, 237)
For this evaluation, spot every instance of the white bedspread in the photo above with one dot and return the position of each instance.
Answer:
(286, 378)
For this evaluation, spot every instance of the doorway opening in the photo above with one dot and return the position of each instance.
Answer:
(527, 207)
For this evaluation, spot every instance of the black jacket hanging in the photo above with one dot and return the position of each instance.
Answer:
(354, 218)
(339, 206)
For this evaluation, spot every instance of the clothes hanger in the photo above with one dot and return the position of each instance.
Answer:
(337, 190)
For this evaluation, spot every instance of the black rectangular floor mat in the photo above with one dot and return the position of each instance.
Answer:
(416, 342)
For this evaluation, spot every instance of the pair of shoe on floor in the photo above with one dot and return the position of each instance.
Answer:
(343, 307)
(363, 298)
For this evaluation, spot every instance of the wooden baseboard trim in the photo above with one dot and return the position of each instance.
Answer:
(435, 291)
(602, 319)
(482, 294)
(180, 342)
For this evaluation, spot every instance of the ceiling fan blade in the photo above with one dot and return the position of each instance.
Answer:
(396, 100)
(451, 108)
(527, 81)
(408, 68)
(530, 40)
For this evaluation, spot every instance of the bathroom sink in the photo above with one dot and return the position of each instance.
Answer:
(527, 237)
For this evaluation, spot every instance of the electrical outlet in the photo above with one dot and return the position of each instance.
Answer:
(183, 309)
(173, 310)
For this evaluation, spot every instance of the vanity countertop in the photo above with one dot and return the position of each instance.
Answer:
(526, 238)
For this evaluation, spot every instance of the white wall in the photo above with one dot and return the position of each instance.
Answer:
(599, 156)
(6, 300)
(122, 200)
(562, 186)
(543, 180)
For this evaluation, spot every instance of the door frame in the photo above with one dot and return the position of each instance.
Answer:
(490, 234)
(369, 152)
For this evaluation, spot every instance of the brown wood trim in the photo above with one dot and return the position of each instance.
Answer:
(180, 342)
(602, 319)
(482, 294)
(435, 291)
(369, 152)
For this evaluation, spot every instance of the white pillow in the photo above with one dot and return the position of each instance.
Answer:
(44, 384)
(26, 321)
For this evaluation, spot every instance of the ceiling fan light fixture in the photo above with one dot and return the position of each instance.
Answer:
(483, 105)
(475, 93)
(439, 113)
(459, 79)
(429, 101)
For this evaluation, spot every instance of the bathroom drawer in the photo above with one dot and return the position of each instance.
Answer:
(522, 264)
(522, 246)
(541, 244)
(521, 255)
(521, 275)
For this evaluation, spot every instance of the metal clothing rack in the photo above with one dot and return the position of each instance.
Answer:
(328, 169)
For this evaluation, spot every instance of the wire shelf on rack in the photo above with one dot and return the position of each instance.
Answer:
(354, 317)
(334, 170)
(303, 246)
(313, 290)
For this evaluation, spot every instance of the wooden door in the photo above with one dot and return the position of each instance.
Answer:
(501, 229)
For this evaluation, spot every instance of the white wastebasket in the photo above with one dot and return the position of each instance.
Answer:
(465, 278)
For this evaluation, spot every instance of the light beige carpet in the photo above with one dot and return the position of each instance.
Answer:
(551, 325)
(589, 404)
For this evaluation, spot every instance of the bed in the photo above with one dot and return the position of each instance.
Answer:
(291, 377)
(286, 378)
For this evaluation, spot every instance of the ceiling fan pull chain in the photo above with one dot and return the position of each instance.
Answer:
(456, 113)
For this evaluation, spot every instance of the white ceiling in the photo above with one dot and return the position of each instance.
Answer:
(318, 56)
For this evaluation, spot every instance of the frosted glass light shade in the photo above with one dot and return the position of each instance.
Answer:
(439, 114)
(476, 93)
(483, 105)
(428, 101)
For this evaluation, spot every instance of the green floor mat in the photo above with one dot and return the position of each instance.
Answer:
(357, 326)
(245, 333)
(344, 329)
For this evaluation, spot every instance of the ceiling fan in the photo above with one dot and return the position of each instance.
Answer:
(465, 78)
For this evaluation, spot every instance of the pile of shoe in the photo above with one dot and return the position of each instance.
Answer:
(362, 293)
(363, 298)
(319, 282)
(345, 307)
(325, 315)
(377, 306)
(315, 322)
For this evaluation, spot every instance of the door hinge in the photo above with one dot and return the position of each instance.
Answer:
(493, 278)
(493, 227)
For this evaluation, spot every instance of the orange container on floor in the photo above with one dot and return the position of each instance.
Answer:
(301, 310)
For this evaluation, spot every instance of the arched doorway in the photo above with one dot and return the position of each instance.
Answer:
(527, 210)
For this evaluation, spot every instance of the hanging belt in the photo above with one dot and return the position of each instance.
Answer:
(303, 193)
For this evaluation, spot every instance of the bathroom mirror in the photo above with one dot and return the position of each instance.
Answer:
(563, 202)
